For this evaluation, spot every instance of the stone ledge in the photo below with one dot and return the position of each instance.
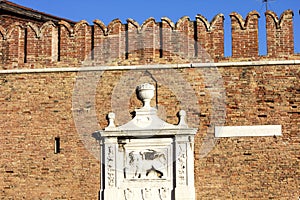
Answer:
(149, 67)
(250, 131)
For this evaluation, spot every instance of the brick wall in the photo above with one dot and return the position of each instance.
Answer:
(37, 107)
(32, 45)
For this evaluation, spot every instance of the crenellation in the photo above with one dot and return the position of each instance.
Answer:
(115, 41)
(31, 46)
(3, 32)
(210, 37)
(166, 47)
(131, 43)
(210, 25)
(244, 35)
(185, 30)
(114, 27)
(148, 23)
(83, 35)
(67, 53)
(101, 25)
(133, 40)
(280, 34)
(68, 27)
(99, 35)
(150, 40)
(168, 22)
(245, 23)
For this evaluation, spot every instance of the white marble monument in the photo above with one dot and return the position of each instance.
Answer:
(147, 158)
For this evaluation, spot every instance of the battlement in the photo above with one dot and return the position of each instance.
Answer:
(26, 44)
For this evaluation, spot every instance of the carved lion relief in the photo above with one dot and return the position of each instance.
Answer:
(146, 164)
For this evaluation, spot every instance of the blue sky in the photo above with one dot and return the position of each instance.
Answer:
(174, 9)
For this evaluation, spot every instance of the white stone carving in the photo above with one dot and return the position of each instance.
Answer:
(147, 158)
(146, 93)
(148, 164)
(147, 194)
(128, 194)
(163, 193)
(111, 119)
(110, 166)
(181, 164)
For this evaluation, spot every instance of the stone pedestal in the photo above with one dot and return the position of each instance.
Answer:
(147, 158)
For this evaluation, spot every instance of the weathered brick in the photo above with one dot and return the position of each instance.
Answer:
(38, 107)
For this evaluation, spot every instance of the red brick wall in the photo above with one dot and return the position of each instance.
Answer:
(31, 45)
(37, 107)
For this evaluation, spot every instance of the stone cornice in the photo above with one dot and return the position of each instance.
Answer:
(154, 66)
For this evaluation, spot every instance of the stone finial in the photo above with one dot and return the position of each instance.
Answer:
(111, 119)
(145, 94)
(182, 115)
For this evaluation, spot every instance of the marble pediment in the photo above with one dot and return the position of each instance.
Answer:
(146, 120)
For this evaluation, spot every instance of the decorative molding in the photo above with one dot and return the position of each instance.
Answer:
(144, 67)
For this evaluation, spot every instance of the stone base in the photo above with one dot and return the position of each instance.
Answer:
(152, 193)
(110, 194)
(185, 193)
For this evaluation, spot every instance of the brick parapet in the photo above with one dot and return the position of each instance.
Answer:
(210, 37)
(280, 34)
(32, 45)
(244, 35)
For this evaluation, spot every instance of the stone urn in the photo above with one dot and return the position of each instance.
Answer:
(145, 94)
